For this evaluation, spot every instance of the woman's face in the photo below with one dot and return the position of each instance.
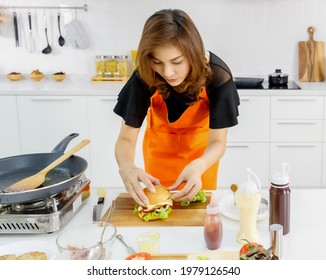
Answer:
(170, 63)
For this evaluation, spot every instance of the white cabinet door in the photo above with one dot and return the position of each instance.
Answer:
(10, 138)
(296, 130)
(45, 120)
(297, 107)
(254, 120)
(238, 157)
(104, 127)
(304, 159)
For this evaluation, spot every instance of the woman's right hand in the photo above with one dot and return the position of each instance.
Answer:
(132, 179)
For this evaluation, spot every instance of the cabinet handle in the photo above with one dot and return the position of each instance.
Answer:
(297, 122)
(237, 146)
(296, 146)
(296, 99)
(114, 98)
(245, 99)
(41, 99)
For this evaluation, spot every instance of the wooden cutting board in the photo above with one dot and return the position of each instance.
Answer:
(311, 59)
(192, 215)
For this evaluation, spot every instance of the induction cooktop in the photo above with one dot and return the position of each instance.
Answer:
(259, 83)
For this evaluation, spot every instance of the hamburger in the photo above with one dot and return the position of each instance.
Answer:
(159, 207)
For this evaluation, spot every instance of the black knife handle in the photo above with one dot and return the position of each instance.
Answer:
(16, 29)
(30, 21)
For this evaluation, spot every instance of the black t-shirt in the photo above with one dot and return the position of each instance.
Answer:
(134, 99)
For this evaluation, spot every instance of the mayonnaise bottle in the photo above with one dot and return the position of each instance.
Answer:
(247, 199)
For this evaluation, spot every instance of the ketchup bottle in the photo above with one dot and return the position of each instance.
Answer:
(280, 198)
(213, 229)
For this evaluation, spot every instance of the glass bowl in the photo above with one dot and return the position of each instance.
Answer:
(82, 242)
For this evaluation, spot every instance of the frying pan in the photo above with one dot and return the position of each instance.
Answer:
(64, 176)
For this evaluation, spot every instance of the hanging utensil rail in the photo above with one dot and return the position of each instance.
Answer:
(84, 7)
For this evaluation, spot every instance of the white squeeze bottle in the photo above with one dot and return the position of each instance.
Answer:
(248, 198)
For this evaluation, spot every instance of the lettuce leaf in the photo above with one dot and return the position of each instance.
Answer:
(155, 215)
(200, 196)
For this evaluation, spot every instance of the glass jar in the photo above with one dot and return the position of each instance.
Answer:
(100, 65)
(110, 65)
(122, 65)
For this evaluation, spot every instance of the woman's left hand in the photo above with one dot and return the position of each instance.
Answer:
(191, 176)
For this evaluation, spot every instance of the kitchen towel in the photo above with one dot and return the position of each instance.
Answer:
(77, 35)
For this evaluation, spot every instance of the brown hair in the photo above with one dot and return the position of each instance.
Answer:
(173, 27)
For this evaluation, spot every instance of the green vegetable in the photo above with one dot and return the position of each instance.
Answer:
(157, 214)
(200, 196)
(202, 258)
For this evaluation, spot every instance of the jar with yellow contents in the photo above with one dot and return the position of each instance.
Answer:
(100, 65)
(110, 65)
(122, 65)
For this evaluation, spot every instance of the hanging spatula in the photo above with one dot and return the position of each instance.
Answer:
(37, 179)
(30, 40)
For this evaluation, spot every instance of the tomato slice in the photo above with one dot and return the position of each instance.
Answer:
(139, 256)
(245, 249)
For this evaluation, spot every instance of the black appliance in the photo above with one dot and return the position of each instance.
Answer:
(259, 83)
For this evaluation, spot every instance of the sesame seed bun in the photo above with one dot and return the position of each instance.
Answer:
(161, 194)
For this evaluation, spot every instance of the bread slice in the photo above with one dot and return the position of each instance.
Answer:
(8, 257)
(35, 255)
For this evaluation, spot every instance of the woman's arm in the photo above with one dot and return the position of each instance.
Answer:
(191, 174)
(131, 175)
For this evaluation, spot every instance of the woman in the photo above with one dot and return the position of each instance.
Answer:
(189, 98)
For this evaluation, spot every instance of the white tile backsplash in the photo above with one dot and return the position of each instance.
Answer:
(253, 36)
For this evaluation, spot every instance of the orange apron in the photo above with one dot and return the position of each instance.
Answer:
(169, 147)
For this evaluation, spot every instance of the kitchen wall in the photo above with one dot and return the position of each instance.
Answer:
(253, 36)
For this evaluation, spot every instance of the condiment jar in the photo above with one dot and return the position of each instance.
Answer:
(280, 198)
(248, 198)
(110, 65)
(213, 229)
(100, 65)
(122, 65)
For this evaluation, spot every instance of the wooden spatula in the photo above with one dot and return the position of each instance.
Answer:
(37, 179)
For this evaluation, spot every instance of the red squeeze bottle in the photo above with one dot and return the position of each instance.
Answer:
(213, 229)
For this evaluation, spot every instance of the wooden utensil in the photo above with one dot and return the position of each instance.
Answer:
(311, 59)
(37, 179)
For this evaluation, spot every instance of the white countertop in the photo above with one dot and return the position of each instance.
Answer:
(82, 85)
(305, 240)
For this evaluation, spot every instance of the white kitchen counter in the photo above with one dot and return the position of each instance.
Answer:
(305, 240)
(82, 85)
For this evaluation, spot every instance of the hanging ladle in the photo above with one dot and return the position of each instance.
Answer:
(48, 49)
(61, 39)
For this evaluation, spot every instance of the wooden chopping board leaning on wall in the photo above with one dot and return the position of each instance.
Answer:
(311, 59)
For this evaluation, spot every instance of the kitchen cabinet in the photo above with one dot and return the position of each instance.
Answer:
(296, 138)
(45, 120)
(104, 126)
(248, 143)
(9, 127)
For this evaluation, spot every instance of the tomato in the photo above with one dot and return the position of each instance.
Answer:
(139, 256)
(245, 249)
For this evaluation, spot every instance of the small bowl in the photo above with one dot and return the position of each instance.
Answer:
(37, 77)
(15, 76)
(58, 77)
(81, 242)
